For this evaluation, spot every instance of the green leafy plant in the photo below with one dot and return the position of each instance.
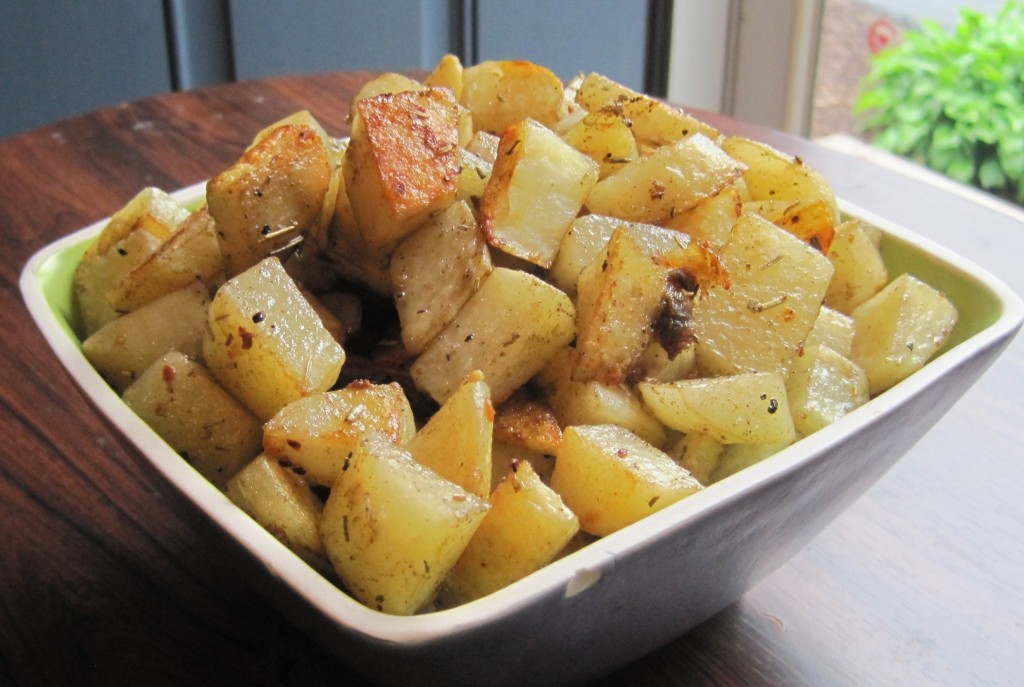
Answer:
(954, 101)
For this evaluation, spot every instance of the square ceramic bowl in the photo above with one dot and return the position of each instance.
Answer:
(626, 594)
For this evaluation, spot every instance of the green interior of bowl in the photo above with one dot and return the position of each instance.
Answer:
(56, 280)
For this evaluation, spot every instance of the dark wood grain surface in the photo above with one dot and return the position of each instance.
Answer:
(106, 579)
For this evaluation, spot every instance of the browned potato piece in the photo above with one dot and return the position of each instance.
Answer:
(899, 329)
(435, 270)
(191, 253)
(265, 343)
(619, 298)
(131, 235)
(124, 348)
(653, 122)
(860, 271)
(536, 189)
(183, 403)
(606, 138)
(152, 210)
(759, 322)
(773, 175)
(526, 527)
(502, 93)
(270, 196)
(666, 181)
(402, 162)
(611, 478)
(527, 423)
(341, 243)
(711, 219)
(283, 503)
(456, 440)
(316, 434)
(335, 148)
(393, 528)
(447, 73)
(748, 408)
(508, 329)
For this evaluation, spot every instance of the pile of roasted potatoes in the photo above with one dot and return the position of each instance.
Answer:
(505, 316)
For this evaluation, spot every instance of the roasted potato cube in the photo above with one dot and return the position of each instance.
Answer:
(700, 454)
(387, 83)
(342, 245)
(473, 179)
(316, 434)
(265, 343)
(526, 527)
(97, 275)
(447, 73)
(393, 528)
(456, 440)
(335, 148)
(593, 403)
(822, 387)
(585, 239)
(151, 210)
(183, 403)
(282, 503)
(610, 478)
(536, 189)
(503, 93)
(273, 194)
(899, 329)
(833, 329)
(660, 366)
(774, 175)
(653, 122)
(810, 220)
(749, 408)
(191, 253)
(124, 348)
(110, 265)
(666, 181)
(711, 220)
(860, 271)
(435, 270)
(619, 297)
(736, 457)
(508, 329)
(484, 145)
(606, 138)
(528, 423)
(759, 322)
(402, 162)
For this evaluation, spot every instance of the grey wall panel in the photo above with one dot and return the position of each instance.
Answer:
(200, 42)
(62, 57)
(271, 37)
(568, 36)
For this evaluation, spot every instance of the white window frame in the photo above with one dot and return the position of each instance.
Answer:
(752, 59)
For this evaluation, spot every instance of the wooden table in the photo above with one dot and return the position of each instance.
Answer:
(103, 580)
